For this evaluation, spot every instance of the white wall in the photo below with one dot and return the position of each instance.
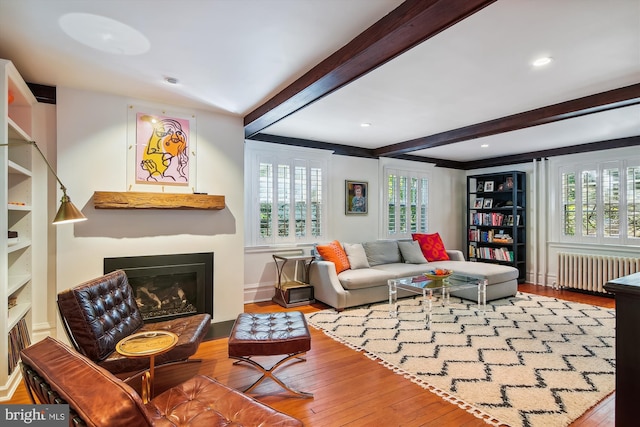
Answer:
(556, 243)
(544, 240)
(447, 196)
(92, 156)
(44, 314)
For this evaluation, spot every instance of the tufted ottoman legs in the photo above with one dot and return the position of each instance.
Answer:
(270, 334)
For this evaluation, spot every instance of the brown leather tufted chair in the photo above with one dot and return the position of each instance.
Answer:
(99, 313)
(56, 374)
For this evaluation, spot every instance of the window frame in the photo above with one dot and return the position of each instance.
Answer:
(601, 236)
(258, 153)
(422, 209)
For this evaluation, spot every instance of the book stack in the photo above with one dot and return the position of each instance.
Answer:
(502, 238)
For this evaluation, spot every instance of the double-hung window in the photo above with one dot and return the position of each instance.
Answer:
(406, 202)
(286, 194)
(600, 202)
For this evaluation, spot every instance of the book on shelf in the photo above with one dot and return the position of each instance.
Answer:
(494, 219)
(18, 340)
(489, 236)
(498, 254)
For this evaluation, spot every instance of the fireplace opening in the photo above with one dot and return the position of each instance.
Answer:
(168, 286)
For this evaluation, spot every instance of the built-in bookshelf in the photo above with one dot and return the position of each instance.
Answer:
(496, 231)
(16, 219)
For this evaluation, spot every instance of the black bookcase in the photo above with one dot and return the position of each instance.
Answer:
(496, 219)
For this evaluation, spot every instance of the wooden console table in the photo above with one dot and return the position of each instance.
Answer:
(627, 292)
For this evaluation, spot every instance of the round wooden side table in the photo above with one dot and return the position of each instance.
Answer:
(147, 344)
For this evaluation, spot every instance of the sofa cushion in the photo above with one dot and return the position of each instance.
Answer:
(335, 253)
(382, 252)
(411, 252)
(432, 246)
(356, 255)
(364, 278)
(401, 269)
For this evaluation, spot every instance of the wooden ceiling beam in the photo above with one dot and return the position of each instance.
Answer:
(411, 23)
(616, 98)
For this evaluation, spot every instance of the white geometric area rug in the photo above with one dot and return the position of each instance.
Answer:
(529, 361)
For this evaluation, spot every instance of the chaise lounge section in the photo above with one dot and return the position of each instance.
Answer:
(371, 264)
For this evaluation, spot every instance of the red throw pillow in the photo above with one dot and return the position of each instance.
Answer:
(335, 253)
(432, 246)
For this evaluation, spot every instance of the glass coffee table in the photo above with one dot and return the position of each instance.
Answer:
(421, 284)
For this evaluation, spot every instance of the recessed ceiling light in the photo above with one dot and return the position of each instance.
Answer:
(104, 34)
(365, 125)
(540, 62)
(484, 146)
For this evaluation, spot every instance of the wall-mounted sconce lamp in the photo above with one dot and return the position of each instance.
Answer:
(67, 212)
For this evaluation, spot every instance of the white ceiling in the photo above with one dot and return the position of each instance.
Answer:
(233, 55)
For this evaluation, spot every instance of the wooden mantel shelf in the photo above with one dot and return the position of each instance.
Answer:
(139, 200)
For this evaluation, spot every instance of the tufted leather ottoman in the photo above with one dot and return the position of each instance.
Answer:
(270, 334)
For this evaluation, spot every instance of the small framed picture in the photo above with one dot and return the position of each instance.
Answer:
(356, 193)
(480, 187)
(488, 203)
(478, 203)
(488, 186)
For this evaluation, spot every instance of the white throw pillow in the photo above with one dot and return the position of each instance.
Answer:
(412, 253)
(356, 255)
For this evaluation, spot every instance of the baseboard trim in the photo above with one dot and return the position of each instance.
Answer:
(219, 330)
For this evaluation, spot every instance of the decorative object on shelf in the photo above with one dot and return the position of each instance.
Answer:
(478, 203)
(480, 187)
(508, 184)
(488, 186)
(356, 202)
(68, 212)
(488, 203)
(161, 150)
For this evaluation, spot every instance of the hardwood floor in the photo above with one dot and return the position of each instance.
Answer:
(352, 390)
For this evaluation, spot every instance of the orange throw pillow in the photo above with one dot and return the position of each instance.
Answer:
(335, 253)
(432, 246)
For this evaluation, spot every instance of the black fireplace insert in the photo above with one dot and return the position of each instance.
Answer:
(168, 286)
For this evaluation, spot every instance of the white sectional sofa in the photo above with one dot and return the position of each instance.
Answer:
(368, 283)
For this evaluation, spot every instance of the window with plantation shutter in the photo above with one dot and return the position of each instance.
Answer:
(286, 201)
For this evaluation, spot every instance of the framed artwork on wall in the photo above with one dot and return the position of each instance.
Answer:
(356, 197)
(161, 151)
